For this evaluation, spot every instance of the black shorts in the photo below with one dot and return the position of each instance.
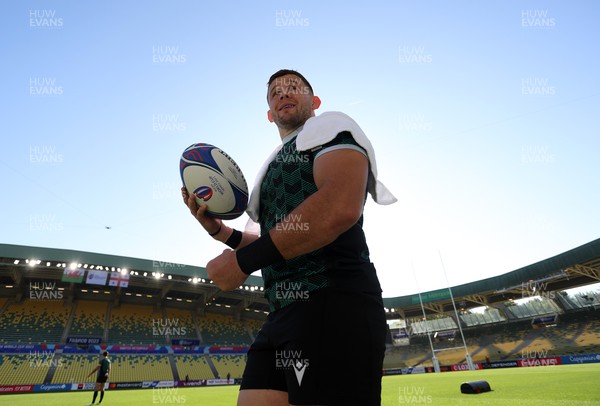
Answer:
(101, 379)
(327, 350)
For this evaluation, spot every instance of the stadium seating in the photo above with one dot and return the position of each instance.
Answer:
(16, 369)
(124, 368)
(40, 322)
(491, 315)
(89, 319)
(129, 368)
(135, 324)
(254, 326)
(222, 330)
(184, 321)
(233, 364)
(34, 321)
(75, 368)
(576, 333)
(194, 367)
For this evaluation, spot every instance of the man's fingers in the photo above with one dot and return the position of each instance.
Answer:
(191, 203)
(198, 210)
(201, 211)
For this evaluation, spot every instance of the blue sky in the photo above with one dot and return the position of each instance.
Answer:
(483, 115)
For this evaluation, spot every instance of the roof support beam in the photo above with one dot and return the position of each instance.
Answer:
(211, 293)
(479, 299)
(434, 307)
(588, 271)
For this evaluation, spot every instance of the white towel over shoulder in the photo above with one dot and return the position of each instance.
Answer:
(317, 131)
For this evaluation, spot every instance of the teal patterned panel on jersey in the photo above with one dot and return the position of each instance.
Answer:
(288, 182)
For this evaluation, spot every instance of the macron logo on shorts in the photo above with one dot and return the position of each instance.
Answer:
(299, 369)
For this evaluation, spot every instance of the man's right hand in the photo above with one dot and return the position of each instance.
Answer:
(210, 224)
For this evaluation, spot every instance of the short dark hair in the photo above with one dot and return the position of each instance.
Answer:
(105, 353)
(283, 72)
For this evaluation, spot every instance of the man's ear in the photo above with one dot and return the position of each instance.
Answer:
(316, 102)
(269, 116)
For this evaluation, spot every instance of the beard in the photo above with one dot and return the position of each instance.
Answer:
(291, 122)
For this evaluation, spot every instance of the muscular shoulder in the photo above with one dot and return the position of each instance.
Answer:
(343, 140)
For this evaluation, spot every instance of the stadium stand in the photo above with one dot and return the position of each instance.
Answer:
(124, 368)
(576, 333)
(75, 368)
(36, 335)
(194, 367)
(20, 368)
(182, 322)
(89, 319)
(491, 315)
(254, 326)
(128, 368)
(222, 330)
(34, 321)
(233, 364)
(533, 308)
(133, 324)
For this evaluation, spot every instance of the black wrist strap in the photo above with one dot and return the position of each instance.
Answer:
(234, 239)
(258, 254)
(216, 232)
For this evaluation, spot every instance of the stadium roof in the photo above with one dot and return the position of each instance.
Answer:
(157, 282)
(577, 267)
(151, 281)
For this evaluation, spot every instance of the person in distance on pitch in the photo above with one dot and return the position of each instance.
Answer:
(323, 291)
(103, 369)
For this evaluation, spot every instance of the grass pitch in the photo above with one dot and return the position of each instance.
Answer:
(551, 385)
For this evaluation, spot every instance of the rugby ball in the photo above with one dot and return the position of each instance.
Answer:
(215, 179)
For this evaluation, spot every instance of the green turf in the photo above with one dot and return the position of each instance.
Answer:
(557, 385)
(554, 385)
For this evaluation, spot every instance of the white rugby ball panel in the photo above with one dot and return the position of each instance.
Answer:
(222, 199)
(215, 179)
(229, 169)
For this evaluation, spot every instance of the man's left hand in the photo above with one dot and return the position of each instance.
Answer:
(225, 272)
